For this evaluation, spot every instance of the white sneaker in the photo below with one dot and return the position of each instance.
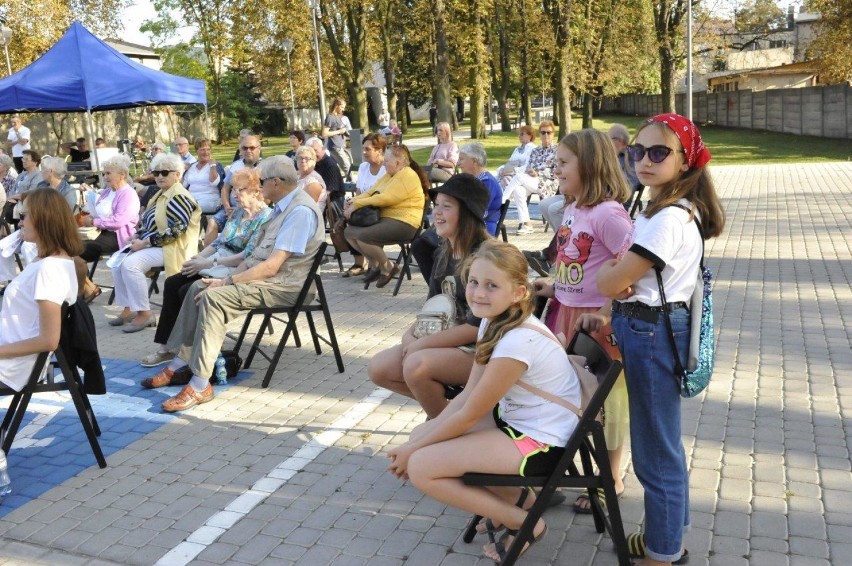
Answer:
(524, 229)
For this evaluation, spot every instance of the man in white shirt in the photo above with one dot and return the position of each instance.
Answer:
(18, 140)
(182, 147)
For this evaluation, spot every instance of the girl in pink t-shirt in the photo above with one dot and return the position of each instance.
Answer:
(595, 228)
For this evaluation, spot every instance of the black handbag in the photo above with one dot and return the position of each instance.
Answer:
(365, 216)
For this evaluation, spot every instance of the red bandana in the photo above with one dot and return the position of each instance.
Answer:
(697, 154)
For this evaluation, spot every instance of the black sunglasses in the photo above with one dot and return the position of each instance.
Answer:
(656, 153)
(546, 133)
(162, 173)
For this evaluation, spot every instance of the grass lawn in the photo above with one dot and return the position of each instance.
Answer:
(729, 146)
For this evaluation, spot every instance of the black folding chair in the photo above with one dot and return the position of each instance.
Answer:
(588, 442)
(71, 382)
(637, 201)
(321, 304)
(501, 223)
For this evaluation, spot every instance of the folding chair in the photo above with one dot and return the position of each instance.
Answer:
(588, 442)
(501, 223)
(403, 261)
(312, 280)
(72, 384)
(637, 201)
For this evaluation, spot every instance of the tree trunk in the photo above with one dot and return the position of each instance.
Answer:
(667, 78)
(563, 92)
(404, 119)
(442, 66)
(588, 110)
(358, 102)
(388, 64)
(477, 95)
(526, 103)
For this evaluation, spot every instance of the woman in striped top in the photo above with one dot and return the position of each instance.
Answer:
(167, 236)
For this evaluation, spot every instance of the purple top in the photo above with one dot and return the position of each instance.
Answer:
(125, 214)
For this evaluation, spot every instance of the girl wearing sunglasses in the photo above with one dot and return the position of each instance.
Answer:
(670, 160)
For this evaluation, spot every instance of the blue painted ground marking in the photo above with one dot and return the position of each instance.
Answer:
(51, 447)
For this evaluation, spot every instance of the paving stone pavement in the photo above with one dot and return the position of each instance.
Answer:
(295, 474)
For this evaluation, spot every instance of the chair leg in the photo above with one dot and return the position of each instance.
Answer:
(406, 270)
(77, 395)
(256, 344)
(332, 337)
(23, 399)
(243, 331)
(470, 530)
(314, 334)
(273, 363)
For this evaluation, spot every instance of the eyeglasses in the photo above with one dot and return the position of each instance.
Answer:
(265, 179)
(249, 147)
(162, 173)
(546, 132)
(656, 153)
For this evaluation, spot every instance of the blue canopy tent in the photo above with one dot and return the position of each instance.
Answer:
(81, 73)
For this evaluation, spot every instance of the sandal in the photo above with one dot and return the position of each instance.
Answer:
(583, 505)
(501, 547)
(637, 550)
(92, 294)
(490, 528)
(153, 360)
(354, 271)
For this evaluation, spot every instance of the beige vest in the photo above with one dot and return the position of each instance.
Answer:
(293, 272)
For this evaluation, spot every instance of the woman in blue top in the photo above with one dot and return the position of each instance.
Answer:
(235, 243)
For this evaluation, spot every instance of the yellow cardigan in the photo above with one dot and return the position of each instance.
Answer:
(399, 197)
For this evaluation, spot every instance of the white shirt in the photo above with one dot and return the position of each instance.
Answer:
(103, 209)
(670, 240)
(548, 368)
(366, 180)
(197, 181)
(24, 134)
(49, 279)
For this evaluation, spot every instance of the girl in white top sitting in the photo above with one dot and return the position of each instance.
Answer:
(30, 321)
(495, 426)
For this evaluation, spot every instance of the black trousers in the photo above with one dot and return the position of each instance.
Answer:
(105, 243)
(174, 290)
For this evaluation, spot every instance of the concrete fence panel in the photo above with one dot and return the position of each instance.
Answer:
(758, 110)
(745, 108)
(774, 111)
(812, 108)
(791, 113)
(815, 111)
(835, 122)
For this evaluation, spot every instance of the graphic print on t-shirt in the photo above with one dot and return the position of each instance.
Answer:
(570, 260)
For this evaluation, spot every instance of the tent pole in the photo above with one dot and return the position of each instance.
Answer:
(94, 150)
(207, 124)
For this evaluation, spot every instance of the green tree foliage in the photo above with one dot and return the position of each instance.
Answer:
(37, 24)
(833, 43)
(759, 16)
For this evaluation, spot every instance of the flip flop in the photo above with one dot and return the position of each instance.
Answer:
(500, 547)
(586, 509)
(637, 550)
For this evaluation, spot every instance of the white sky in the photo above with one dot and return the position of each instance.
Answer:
(138, 12)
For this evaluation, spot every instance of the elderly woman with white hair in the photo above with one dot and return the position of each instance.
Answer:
(167, 237)
(116, 210)
(309, 180)
(53, 170)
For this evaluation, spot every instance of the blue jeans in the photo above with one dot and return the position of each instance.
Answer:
(659, 459)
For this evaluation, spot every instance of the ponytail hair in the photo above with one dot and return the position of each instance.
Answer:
(694, 185)
(508, 259)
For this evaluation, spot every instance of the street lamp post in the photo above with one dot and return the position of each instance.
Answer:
(288, 48)
(5, 39)
(314, 6)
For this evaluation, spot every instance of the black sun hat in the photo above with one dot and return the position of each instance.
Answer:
(469, 191)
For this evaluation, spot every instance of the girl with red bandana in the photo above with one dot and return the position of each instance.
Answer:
(670, 160)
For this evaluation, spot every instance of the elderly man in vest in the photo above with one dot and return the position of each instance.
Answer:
(271, 276)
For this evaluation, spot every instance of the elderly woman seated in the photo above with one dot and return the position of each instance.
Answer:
(515, 178)
(309, 180)
(53, 171)
(167, 237)
(400, 196)
(217, 260)
(115, 213)
(444, 155)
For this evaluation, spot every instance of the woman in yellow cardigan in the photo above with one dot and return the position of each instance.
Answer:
(400, 195)
(167, 236)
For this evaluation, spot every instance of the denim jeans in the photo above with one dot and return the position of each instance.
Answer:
(659, 459)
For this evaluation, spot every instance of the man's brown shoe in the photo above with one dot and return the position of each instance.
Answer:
(168, 377)
(187, 398)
